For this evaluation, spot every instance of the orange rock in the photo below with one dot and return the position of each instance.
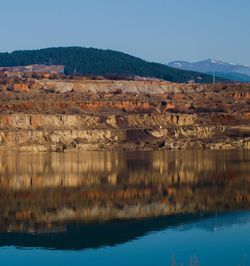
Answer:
(127, 106)
(246, 115)
(169, 106)
(178, 96)
(241, 95)
(20, 87)
(37, 121)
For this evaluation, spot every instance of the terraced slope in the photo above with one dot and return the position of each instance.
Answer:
(43, 112)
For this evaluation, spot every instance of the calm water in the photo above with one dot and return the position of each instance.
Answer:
(114, 208)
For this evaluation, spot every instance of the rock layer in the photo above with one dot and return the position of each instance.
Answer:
(43, 112)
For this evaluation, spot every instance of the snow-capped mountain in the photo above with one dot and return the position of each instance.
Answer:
(222, 69)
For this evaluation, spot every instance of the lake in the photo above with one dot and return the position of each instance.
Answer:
(125, 208)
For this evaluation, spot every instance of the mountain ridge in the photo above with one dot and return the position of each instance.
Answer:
(237, 72)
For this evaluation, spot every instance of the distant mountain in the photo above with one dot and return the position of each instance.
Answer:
(230, 71)
(90, 61)
(232, 76)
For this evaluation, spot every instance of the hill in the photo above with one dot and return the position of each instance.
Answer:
(91, 61)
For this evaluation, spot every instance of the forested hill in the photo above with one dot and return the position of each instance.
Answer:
(91, 61)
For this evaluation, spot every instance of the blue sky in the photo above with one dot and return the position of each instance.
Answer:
(155, 30)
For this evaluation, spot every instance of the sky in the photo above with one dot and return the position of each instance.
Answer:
(154, 30)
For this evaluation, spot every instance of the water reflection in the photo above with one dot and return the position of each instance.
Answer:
(67, 194)
(26, 171)
(75, 236)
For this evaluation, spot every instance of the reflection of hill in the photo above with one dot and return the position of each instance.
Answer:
(39, 191)
(77, 236)
(220, 222)
(95, 235)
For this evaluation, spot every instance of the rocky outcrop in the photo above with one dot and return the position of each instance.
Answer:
(58, 113)
(20, 87)
(52, 69)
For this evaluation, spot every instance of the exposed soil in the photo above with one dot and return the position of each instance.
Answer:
(51, 112)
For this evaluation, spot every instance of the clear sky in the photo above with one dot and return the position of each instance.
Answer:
(155, 30)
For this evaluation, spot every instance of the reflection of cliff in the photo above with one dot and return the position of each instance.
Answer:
(20, 172)
(39, 191)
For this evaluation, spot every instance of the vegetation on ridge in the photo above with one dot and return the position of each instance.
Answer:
(91, 61)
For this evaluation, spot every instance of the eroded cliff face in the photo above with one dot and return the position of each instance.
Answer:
(42, 112)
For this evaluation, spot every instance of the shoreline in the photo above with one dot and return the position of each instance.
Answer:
(237, 144)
